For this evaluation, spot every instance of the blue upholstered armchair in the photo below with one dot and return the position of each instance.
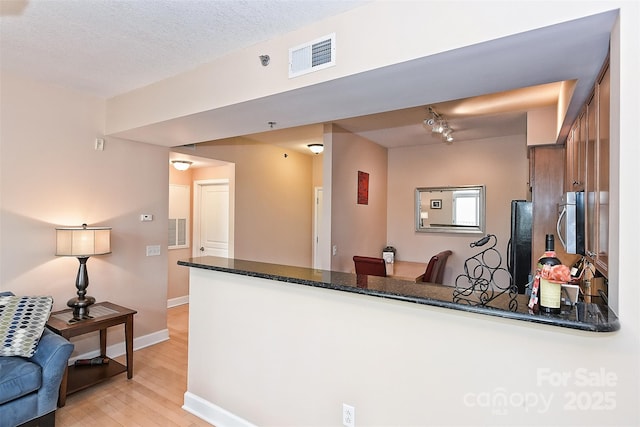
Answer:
(29, 386)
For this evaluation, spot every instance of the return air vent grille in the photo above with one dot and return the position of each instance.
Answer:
(313, 56)
(177, 232)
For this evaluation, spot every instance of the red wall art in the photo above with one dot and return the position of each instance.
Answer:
(363, 188)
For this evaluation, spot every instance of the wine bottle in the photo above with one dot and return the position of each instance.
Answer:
(577, 268)
(549, 291)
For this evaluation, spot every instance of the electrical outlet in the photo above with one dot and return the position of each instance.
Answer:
(99, 146)
(348, 415)
(335, 250)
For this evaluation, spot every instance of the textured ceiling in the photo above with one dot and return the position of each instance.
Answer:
(107, 47)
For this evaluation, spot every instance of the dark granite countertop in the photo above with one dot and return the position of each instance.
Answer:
(586, 317)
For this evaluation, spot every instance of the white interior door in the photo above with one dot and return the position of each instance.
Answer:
(213, 219)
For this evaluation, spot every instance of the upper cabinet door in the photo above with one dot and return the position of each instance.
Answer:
(591, 195)
(597, 175)
(576, 155)
(604, 90)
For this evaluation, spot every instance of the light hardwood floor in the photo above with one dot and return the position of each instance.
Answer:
(153, 397)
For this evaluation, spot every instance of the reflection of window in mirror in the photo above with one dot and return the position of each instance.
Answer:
(465, 207)
(450, 209)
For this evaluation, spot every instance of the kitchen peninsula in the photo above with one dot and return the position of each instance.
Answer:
(262, 334)
(587, 317)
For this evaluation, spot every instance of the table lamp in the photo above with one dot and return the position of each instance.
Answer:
(82, 242)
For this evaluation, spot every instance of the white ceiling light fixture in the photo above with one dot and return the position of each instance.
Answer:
(181, 165)
(316, 148)
(439, 125)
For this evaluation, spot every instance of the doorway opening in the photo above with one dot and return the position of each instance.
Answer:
(200, 231)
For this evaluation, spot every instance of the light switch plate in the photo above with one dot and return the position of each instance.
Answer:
(153, 250)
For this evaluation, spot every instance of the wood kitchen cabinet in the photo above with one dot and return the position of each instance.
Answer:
(602, 176)
(546, 166)
(593, 123)
(576, 155)
(591, 171)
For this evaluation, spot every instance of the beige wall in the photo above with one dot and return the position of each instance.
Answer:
(317, 170)
(500, 164)
(178, 286)
(273, 200)
(542, 126)
(397, 363)
(357, 229)
(51, 176)
(178, 279)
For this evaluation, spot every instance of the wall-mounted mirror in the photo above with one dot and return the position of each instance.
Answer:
(450, 209)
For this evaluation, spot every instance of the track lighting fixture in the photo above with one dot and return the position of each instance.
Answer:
(439, 125)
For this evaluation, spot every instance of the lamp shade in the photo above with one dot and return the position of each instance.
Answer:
(83, 241)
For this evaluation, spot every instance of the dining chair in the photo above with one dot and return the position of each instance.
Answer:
(370, 266)
(435, 269)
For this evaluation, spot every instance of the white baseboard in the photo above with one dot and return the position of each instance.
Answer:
(211, 413)
(174, 302)
(119, 349)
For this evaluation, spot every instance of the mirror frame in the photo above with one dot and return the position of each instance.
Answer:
(479, 229)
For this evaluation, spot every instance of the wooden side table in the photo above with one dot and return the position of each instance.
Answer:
(105, 315)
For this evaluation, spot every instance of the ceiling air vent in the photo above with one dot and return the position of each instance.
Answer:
(312, 56)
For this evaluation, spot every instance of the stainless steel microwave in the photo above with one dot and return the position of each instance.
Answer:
(570, 225)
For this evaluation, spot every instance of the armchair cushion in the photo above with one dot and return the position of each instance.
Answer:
(22, 321)
(18, 377)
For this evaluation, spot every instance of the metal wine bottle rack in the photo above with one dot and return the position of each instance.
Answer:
(484, 279)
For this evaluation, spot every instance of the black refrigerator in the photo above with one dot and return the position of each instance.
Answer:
(519, 246)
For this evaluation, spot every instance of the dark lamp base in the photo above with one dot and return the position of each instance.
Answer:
(80, 308)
